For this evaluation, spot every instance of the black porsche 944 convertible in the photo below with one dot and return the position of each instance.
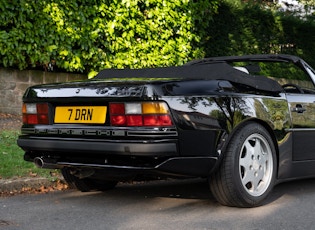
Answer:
(244, 122)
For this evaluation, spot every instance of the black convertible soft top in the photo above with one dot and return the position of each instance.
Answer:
(219, 70)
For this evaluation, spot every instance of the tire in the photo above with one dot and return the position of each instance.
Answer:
(86, 184)
(247, 172)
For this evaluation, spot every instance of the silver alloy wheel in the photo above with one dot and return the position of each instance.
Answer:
(256, 165)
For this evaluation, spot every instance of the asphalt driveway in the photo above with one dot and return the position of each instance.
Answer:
(158, 205)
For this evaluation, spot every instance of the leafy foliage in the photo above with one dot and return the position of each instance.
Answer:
(86, 36)
(81, 35)
(251, 28)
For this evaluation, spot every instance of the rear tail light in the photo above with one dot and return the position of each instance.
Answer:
(140, 114)
(34, 114)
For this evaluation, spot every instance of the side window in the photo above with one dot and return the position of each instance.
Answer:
(292, 78)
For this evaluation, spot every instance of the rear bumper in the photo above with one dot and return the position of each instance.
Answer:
(64, 152)
(136, 148)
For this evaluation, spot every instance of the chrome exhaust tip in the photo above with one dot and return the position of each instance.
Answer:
(46, 163)
(39, 162)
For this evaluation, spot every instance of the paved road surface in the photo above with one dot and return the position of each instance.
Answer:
(171, 205)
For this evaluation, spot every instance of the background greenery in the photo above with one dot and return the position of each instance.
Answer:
(254, 28)
(86, 35)
(82, 35)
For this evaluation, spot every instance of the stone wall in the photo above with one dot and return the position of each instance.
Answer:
(13, 84)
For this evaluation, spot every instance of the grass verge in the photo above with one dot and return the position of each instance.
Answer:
(12, 164)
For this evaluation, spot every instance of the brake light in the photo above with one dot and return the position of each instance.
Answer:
(140, 114)
(34, 114)
(117, 108)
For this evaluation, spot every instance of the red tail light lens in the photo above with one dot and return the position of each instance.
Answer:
(118, 120)
(140, 114)
(157, 120)
(42, 108)
(34, 114)
(117, 108)
(134, 120)
(30, 119)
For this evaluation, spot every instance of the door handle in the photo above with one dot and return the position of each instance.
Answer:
(298, 109)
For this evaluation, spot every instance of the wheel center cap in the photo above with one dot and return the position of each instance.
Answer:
(255, 165)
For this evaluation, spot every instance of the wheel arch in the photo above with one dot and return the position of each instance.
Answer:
(263, 123)
(227, 183)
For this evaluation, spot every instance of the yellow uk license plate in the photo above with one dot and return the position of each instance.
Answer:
(81, 114)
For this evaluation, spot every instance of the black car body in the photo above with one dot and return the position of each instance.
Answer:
(244, 122)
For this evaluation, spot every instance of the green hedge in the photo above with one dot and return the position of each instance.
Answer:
(82, 35)
(250, 28)
(86, 36)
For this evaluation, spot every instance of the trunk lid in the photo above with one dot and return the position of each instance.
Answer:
(91, 89)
